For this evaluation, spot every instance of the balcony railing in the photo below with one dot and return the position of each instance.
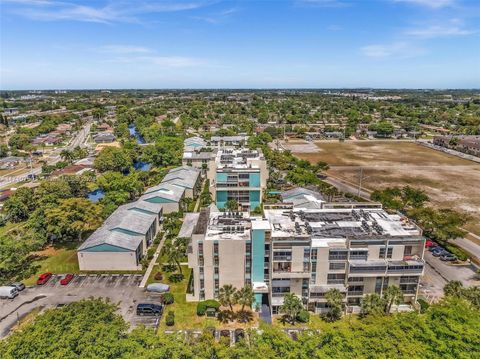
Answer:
(282, 258)
(356, 292)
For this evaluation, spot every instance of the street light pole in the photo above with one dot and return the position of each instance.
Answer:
(360, 182)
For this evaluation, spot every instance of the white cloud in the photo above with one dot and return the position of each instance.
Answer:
(217, 18)
(434, 4)
(125, 49)
(118, 11)
(322, 3)
(448, 30)
(396, 49)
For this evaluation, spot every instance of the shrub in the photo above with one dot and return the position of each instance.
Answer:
(158, 276)
(157, 239)
(175, 278)
(168, 298)
(168, 268)
(201, 308)
(210, 303)
(170, 319)
(150, 253)
(423, 305)
(303, 316)
(458, 252)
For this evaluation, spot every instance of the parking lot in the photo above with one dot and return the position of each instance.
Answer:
(121, 289)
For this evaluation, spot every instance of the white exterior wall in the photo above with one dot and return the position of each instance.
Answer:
(107, 261)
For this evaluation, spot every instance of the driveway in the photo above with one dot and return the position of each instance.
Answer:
(438, 273)
(120, 289)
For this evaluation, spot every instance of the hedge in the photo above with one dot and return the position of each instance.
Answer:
(202, 306)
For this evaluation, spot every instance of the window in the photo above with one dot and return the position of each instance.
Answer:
(381, 254)
(337, 255)
(313, 278)
(355, 279)
(335, 278)
(337, 266)
(314, 254)
(355, 290)
(215, 270)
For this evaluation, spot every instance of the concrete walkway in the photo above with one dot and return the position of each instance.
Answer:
(152, 263)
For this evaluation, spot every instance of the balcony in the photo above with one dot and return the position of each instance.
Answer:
(282, 258)
(356, 293)
(406, 267)
(368, 268)
(290, 274)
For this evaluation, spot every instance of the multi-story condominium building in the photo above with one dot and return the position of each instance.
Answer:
(306, 252)
(238, 174)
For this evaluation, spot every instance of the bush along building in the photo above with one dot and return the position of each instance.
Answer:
(354, 248)
(240, 175)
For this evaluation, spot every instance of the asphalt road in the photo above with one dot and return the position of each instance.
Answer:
(120, 289)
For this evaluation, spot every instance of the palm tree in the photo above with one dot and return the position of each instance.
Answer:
(335, 303)
(292, 306)
(245, 297)
(174, 254)
(227, 296)
(392, 295)
(372, 304)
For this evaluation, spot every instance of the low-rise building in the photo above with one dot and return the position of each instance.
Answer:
(169, 195)
(469, 144)
(186, 177)
(122, 241)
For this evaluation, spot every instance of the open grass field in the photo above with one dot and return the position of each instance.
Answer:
(448, 180)
(55, 260)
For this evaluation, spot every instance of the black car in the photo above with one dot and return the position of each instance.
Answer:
(149, 309)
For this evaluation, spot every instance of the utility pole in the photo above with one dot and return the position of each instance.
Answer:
(360, 182)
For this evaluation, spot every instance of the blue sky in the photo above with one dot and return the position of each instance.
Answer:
(48, 44)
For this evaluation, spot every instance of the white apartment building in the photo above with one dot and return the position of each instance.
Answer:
(357, 249)
(238, 174)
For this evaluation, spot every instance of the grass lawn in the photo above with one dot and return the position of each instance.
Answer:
(186, 312)
(55, 260)
(316, 322)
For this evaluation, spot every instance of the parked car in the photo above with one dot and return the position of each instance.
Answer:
(44, 278)
(436, 248)
(440, 253)
(149, 309)
(430, 244)
(448, 257)
(158, 288)
(8, 292)
(67, 279)
(19, 286)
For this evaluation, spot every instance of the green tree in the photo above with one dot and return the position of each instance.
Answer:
(392, 295)
(112, 159)
(227, 296)
(453, 288)
(72, 218)
(67, 155)
(231, 205)
(174, 254)
(292, 305)
(372, 304)
(20, 204)
(335, 304)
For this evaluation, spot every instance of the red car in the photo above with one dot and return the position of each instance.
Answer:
(68, 278)
(430, 244)
(44, 278)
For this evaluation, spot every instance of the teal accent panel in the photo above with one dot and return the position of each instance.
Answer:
(254, 180)
(258, 255)
(258, 299)
(159, 200)
(105, 248)
(254, 199)
(222, 177)
(221, 199)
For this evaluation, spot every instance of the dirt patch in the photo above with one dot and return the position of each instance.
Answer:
(450, 181)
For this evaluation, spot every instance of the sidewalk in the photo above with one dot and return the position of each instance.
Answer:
(152, 263)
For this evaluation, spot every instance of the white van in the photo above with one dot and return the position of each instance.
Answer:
(8, 292)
